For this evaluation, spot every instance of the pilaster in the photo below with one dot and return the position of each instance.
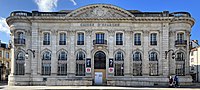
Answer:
(145, 62)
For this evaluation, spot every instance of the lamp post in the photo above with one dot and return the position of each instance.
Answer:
(173, 56)
(33, 52)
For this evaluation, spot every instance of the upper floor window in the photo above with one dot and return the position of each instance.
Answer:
(180, 56)
(7, 55)
(153, 39)
(180, 36)
(100, 39)
(137, 39)
(0, 53)
(137, 56)
(62, 56)
(46, 40)
(119, 56)
(47, 56)
(20, 35)
(20, 38)
(80, 56)
(80, 40)
(153, 56)
(62, 39)
(119, 39)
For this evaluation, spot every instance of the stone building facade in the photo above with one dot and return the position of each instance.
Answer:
(99, 44)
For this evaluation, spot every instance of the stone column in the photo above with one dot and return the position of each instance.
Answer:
(30, 54)
(127, 60)
(187, 59)
(145, 62)
(165, 47)
(88, 43)
(172, 62)
(11, 80)
(72, 56)
(54, 63)
(111, 37)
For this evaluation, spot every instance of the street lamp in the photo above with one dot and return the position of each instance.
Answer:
(33, 52)
(173, 54)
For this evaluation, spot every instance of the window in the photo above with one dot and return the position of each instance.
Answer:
(180, 36)
(153, 40)
(100, 38)
(180, 64)
(46, 63)
(46, 40)
(0, 53)
(7, 55)
(137, 39)
(119, 64)
(80, 39)
(80, 64)
(62, 63)
(62, 39)
(20, 38)
(153, 64)
(119, 39)
(20, 61)
(137, 64)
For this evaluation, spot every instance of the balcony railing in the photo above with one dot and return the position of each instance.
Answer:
(137, 43)
(62, 42)
(99, 42)
(46, 42)
(19, 41)
(80, 42)
(181, 42)
(119, 42)
(153, 42)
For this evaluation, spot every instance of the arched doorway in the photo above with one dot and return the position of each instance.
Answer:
(99, 68)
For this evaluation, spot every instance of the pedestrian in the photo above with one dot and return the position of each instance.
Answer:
(170, 81)
(176, 81)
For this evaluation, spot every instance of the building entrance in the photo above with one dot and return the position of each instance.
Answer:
(99, 68)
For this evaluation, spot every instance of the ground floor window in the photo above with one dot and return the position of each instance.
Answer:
(80, 69)
(46, 68)
(153, 68)
(137, 68)
(62, 68)
(180, 68)
(119, 69)
(20, 70)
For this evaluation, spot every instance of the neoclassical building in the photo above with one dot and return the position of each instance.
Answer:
(99, 44)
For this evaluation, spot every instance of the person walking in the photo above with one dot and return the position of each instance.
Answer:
(176, 81)
(170, 81)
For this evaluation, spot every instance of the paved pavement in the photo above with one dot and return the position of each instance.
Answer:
(5, 87)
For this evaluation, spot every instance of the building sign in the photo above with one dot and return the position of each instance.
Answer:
(111, 70)
(99, 24)
(88, 70)
(110, 62)
(88, 62)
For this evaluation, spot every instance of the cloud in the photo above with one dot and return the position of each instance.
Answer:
(48, 5)
(73, 2)
(3, 26)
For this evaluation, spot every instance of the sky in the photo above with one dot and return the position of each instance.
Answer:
(8, 6)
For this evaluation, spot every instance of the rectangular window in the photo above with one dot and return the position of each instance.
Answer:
(119, 69)
(46, 40)
(46, 68)
(80, 69)
(0, 53)
(180, 36)
(20, 70)
(100, 38)
(80, 40)
(137, 39)
(62, 68)
(180, 68)
(7, 55)
(137, 69)
(62, 39)
(153, 68)
(153, 40)
(119, 39)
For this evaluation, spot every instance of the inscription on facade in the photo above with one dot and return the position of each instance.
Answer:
(99, 24)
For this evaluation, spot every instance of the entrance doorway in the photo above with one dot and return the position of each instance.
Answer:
(99, 68)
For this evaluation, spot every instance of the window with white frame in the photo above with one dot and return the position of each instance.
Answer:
(20, 62)
(180, 64)
(80, 64)
(62, 39)
(137, 64)
(46, 40)
(80, 40)
(119, 38)
(180, 36)
(153, 64)
(46, 63)
(153, 40)
(20, 38)
(137, 39)
(119, 64)
(62, 63)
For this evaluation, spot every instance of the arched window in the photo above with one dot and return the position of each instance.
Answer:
(153, 56)
(119, 64)
(153, 64)
(137, 64)
(180, 64)
(62, 63)
(46, 63)
(20, 61)
(80, 64)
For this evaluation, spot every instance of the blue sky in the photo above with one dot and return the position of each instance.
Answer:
(7, 6)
